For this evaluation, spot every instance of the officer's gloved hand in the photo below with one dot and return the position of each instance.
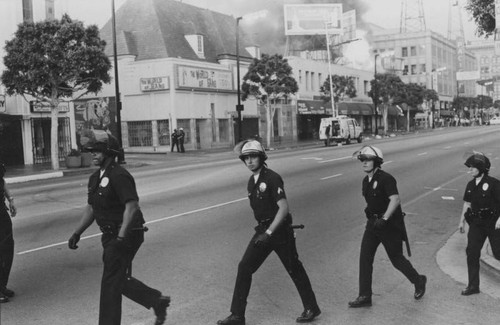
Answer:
(380, 223)
(262, 240)
(74, 239)
(120, 243)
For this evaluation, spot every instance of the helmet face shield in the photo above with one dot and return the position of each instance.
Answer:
(369, 153)
(101, 141)
(248, 148)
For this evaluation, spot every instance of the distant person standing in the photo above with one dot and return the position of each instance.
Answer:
(328, 133)
(174, 138)
(385, 225)
(181, 139)
(481, 210)
(6, 237)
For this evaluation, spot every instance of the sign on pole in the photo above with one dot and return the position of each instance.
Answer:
(310, 19)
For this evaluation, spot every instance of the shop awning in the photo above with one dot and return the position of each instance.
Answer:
(316, 107)
(446, 112)
(355, 109)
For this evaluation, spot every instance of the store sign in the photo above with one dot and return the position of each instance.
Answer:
(154, 84)
(44, 107)
(316, 107)
(313, 19)
(3, 105)
(192, 77)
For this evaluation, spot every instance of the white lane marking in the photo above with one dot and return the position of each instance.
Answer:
(440, 188)
(311, 158)
(422, 153)
(149, 222)
(449, 147)
(388, 162)
(335, 159)
(421, 196)
(328, 177)
(448, 198)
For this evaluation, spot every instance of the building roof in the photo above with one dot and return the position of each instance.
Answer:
(154, 29)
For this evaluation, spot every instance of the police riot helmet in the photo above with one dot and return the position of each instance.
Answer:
(101, 141)
(370, 153)
(250, 147)
(480, 161)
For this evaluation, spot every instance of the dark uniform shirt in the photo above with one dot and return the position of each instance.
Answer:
(485, 195)
(108, 194)
(377, 193)
(265, 194)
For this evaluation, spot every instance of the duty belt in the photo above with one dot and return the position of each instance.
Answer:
(115, 229)
(483, 214)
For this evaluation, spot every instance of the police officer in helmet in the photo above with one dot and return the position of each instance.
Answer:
(481, 210)
(273, 233)
(385, 225)
(113, 203)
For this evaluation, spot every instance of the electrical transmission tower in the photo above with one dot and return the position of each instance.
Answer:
(456, 31)
(412, 16)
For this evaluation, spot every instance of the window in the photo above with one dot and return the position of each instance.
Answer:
(405, 70)
(200, 44)
(313, 88)
(404, 52)
(307, 81)
(140, 133)
(300, 77)
(163, 132)
(422, 68)
(223, 130)
(365, 87)
(413, 69)
(413, 51)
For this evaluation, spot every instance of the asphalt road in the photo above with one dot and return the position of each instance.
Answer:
(200, 223)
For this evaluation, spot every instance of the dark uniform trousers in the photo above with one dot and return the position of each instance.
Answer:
(6, 246)
(115, 281)
(283, 243)
(392, 240)
(479, 230)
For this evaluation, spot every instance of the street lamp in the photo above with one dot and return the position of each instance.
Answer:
(434, 75)
(239, 106)
(121, 155)
(375, 95)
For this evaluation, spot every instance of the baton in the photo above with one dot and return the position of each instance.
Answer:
(297, 226)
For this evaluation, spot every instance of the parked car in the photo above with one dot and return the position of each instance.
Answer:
(495, 120)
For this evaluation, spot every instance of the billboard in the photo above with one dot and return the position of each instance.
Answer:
(468, 75)
(202, 78)
(313, 19)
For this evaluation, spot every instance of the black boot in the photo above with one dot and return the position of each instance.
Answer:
(470, 291)
(308, 315)
(160, 309)
(232, 320)
(361, 301)
(420, 287)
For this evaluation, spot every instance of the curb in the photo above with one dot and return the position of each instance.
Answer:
(487, 259)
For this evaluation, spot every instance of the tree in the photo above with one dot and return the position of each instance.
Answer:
(483, 13)
(53, 60)
(385, 88)
(341, 86)
(269, 79)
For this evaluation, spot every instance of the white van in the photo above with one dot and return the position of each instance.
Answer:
(342, 129)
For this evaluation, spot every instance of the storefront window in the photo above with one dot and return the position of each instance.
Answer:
(140, 133)
(163, 132)
(223, 130)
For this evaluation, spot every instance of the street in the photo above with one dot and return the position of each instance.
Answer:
(200, 222)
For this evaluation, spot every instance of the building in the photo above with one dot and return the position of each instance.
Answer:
(25, 129)
(489, 66)
(177, 69)
(310, 75)
(431, 60)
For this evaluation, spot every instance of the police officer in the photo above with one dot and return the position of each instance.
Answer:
(175, 140)
(113, 204)
(481, 210)
(385, 226)
(180, 138)
(6, 237)
(273, 233)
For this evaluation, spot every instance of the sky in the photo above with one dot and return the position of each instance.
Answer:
(385, 13)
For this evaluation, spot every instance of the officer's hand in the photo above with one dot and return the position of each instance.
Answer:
(461, 226)
(262, 240)
(380, 223)
(12, 208)
(75, 238)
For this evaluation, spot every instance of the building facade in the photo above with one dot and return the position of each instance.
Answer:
(431, 60)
